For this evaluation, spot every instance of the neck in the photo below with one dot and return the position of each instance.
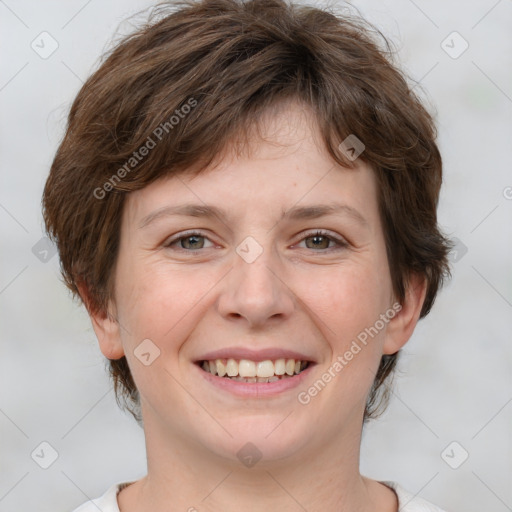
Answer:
(185, 476)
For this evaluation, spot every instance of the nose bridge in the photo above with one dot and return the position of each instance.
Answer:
(254, 289)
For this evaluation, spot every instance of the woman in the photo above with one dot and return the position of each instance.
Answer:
(245, 201)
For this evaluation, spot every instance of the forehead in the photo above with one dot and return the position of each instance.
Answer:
(284, 166)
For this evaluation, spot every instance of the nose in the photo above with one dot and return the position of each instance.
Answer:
(256, 292)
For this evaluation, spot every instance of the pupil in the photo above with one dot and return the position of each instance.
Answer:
(317, 240)
(193, 237)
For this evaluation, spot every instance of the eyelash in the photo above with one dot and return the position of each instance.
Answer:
(342, 244)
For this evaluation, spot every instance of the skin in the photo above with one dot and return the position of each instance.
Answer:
(296, 295)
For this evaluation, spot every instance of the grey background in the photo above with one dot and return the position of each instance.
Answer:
(455, 379)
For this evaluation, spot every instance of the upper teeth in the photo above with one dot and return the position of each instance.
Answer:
(247, 368)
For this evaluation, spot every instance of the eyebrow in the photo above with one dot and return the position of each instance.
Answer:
(295, 213)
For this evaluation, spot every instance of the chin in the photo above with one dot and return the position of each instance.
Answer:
(258, 439)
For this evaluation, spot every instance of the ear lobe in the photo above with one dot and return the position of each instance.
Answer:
(105, 326)
(401, 326)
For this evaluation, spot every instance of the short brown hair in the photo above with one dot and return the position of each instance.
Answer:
(215, 66)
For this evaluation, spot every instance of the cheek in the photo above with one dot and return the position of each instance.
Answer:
(164, 307)
(160, 303)
(346, 301)
(348, 305)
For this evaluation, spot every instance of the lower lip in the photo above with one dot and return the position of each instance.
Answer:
(256, 389)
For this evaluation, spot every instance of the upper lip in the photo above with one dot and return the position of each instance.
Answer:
(254, 355)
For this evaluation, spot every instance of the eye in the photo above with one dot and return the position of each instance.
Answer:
(194, 241)
(321, 239)
(190, 241)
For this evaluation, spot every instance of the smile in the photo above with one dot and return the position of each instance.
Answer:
(245, 370)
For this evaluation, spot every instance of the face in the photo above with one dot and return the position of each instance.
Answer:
(271, 276)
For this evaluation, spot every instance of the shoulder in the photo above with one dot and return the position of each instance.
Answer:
(106, 503)
(407, 502)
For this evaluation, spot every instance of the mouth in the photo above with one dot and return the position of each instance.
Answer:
(248, 371)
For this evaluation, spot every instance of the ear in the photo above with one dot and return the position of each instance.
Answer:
(401, 326)
(105, 326)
